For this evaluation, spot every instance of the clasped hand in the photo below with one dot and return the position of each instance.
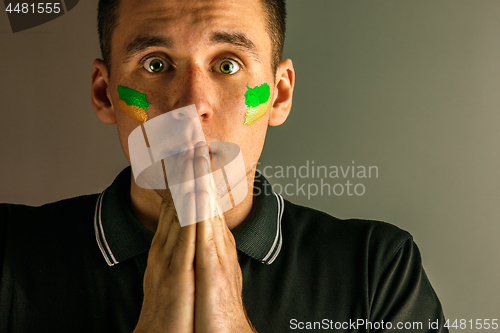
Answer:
(193, 280)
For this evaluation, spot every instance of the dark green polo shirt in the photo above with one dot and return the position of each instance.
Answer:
(77, 265)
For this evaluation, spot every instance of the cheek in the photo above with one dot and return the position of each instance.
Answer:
(229, 106)
(125, 125)
(252, 144)
(139, 102)
(246, 105)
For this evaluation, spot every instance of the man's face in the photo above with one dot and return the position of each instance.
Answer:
(202, 52)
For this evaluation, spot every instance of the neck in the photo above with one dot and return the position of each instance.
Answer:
(146, 206)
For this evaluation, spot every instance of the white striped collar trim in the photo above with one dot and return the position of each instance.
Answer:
(268, 259)
(278, 240)
(99, 234)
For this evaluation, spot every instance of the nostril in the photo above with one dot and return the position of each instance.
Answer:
(178, 114)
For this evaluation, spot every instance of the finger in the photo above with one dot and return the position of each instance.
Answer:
(167, 213)
(206, 248)
(172, 238)
(212, 221)
(189, 217)
(189, 208)
(201, 150)
(181, 172)
(204, 177)
(218, 225)
(175, 169)
(186, 152)
(219, 220)
(202, 167)
(183, 251)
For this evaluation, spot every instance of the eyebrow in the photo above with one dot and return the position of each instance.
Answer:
(240, 40)
(141, 43)
(237, 39)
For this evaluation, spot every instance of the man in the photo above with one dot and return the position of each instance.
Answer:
(121, 262)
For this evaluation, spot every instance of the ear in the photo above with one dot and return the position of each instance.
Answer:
(101, 99)
(282, 104)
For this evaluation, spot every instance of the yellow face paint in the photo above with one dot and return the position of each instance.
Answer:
(257, 101)
(255, 113)
(133, 104)
(134, 112)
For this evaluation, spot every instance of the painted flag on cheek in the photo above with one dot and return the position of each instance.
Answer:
(257, 101)
(133, 103)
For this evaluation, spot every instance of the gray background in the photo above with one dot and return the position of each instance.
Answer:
(412, 87)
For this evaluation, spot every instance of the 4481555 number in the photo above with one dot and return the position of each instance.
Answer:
(478, 324)
(40, 8)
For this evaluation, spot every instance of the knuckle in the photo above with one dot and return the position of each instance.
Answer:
(177, 250)
(179, 254)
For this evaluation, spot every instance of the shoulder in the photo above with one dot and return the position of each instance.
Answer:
(57, 217)
(54, 209)
(313, 229)
(63, 231)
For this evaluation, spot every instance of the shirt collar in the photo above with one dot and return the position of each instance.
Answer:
(120, 236)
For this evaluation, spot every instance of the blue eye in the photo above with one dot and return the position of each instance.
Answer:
(227, 66)
(156, 65)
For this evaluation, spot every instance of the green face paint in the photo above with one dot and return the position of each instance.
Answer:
(257, 99)
(133, 103)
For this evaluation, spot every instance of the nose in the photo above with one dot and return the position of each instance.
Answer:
(194, 87)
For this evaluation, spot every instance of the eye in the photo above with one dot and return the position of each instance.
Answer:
(227, 66)
(156, 65)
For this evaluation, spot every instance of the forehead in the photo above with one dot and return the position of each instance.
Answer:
(191, 22)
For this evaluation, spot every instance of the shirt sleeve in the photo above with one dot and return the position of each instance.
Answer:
(403, 295)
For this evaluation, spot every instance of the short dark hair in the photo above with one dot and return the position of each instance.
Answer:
(107, 20)
(276, 27)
